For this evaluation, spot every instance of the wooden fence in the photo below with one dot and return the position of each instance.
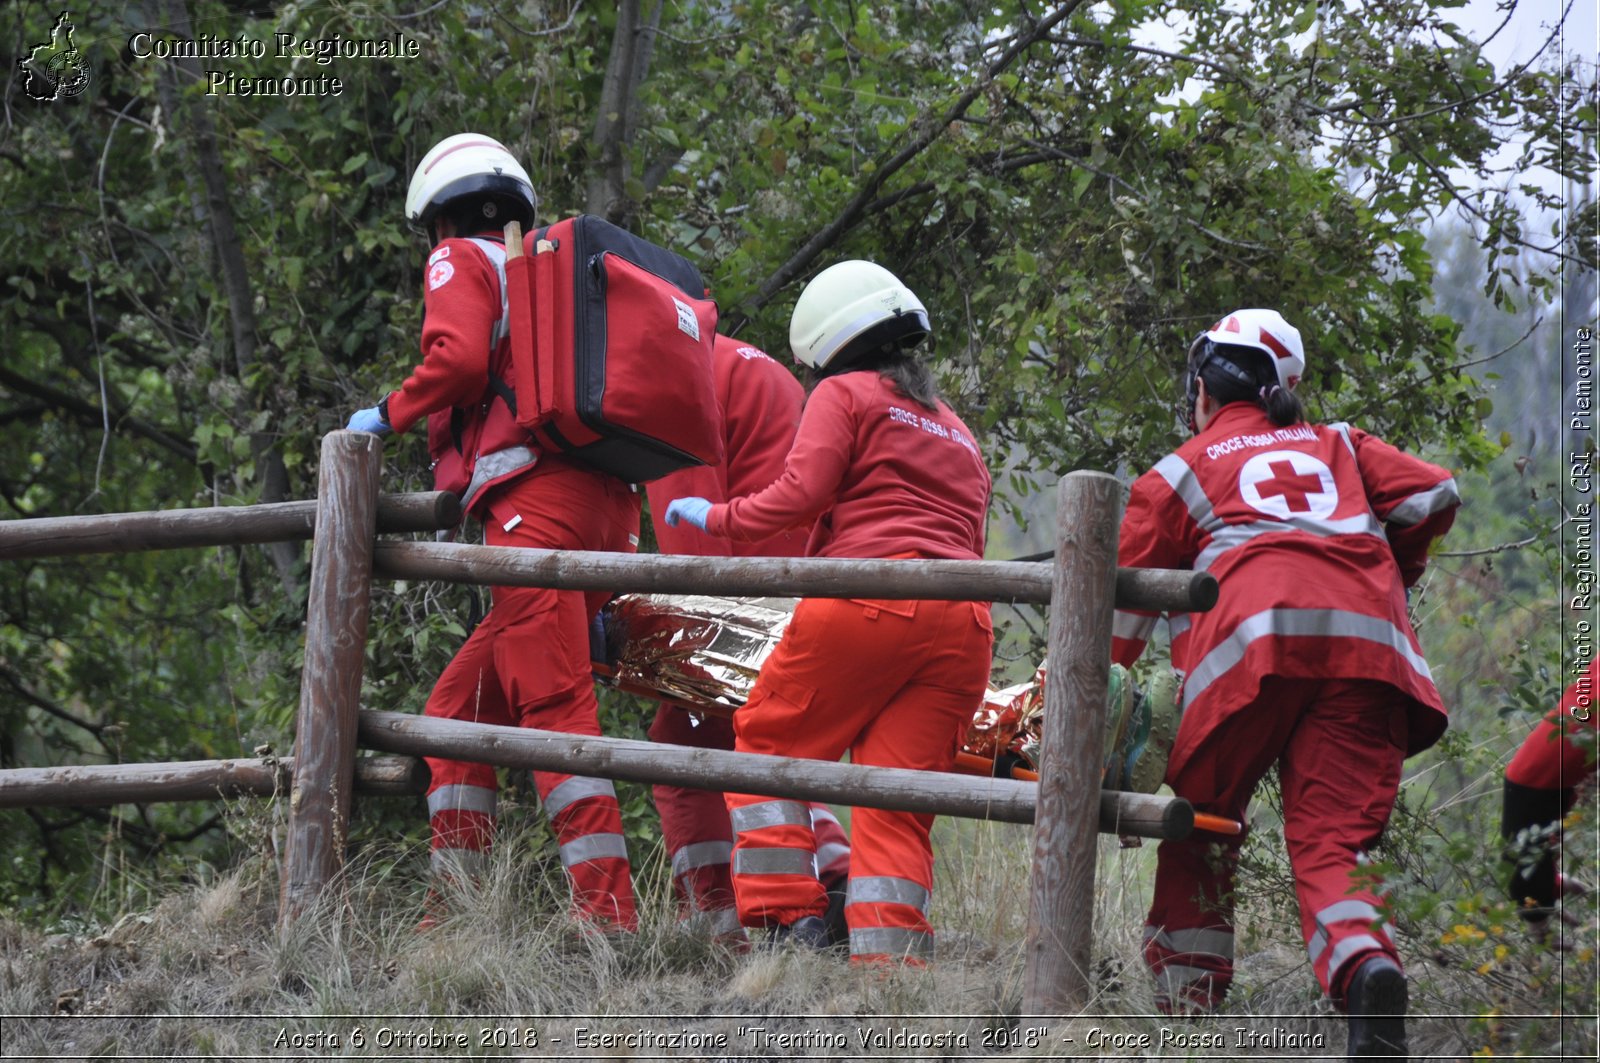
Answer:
(1066, 806)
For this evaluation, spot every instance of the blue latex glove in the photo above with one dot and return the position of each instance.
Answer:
(368, 420)
(691, 509)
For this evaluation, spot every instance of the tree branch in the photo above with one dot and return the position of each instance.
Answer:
(91, 414)
(41, 702)
(1243, 245)
(929, 129)
(1520, 544)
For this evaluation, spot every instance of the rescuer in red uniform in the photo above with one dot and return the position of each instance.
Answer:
(1308, 661)
(759, 402)
(880, 468)
(527, 662)
(1540, 787)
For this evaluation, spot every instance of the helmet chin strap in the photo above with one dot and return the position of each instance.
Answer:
(1191, 401)
(1209, 352)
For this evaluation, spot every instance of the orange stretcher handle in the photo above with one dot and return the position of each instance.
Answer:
(972, 764)
(1217, 824)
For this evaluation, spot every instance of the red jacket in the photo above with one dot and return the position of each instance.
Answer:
(878, 474)
(759, 401)
(1313, 533)
(466, 370)
(1548, 758)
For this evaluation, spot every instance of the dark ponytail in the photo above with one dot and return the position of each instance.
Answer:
(1244, 374)
(1283, 406)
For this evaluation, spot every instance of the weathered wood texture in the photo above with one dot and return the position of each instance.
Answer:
(87, 785)
(121, 533)
(821, 577)
(1061, 887)
(1004, 800)
(330, 683)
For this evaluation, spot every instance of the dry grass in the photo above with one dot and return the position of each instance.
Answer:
(207, 972)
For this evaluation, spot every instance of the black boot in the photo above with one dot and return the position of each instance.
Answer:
(808, 933)
(1376, 1002)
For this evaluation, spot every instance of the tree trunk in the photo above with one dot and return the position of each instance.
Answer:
(617, 117)
(271, 473)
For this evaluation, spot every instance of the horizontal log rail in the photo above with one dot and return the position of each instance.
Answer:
(939, 793)
(122, 533)
(93, 785)
(1162, 590)
(86, 785)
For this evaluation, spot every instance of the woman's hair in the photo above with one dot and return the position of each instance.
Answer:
(1244, 374)
(904, 371)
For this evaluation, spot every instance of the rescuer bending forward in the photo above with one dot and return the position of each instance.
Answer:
(1308, 661)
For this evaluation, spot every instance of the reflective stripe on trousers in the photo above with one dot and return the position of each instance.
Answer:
(757, 855)
(888, 918)
(763, 814)
(578, 788)
(1192, 967)
(891, 942)
(774, 862)
(461, 821)
(1364, 931)
(700, 855)
(885, 889)
(587, 847)
(1207, 941)
(833, 847)
(462, 797)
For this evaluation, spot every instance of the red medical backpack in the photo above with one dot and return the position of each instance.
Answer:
(611, 341)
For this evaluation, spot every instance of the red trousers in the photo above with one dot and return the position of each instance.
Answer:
(527, 664)
(699, 837)
(1338, 745)
(893, 684)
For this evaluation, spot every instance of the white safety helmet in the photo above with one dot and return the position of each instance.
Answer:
(469, 164)
(1264, 330)
(851, 309)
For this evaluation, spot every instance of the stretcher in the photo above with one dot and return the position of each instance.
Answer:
(704, 652)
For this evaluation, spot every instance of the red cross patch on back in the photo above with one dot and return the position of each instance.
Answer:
(1288, 483)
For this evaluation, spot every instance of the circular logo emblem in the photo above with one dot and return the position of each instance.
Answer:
(1288, 483)
(440, 274)
(69, 73)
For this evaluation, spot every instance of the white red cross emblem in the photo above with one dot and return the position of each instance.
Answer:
(1288, 483)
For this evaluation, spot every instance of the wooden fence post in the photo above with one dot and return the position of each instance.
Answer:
(330, 682)
(1061, 886)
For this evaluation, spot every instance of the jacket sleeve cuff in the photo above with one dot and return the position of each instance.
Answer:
(717, 519)
(392, 408)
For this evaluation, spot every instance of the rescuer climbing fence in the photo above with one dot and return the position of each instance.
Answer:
(1066, 805)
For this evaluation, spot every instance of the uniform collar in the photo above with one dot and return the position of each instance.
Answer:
(1231, 418)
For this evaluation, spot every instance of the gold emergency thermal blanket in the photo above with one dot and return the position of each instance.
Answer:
(702, 650)
(706, 652)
